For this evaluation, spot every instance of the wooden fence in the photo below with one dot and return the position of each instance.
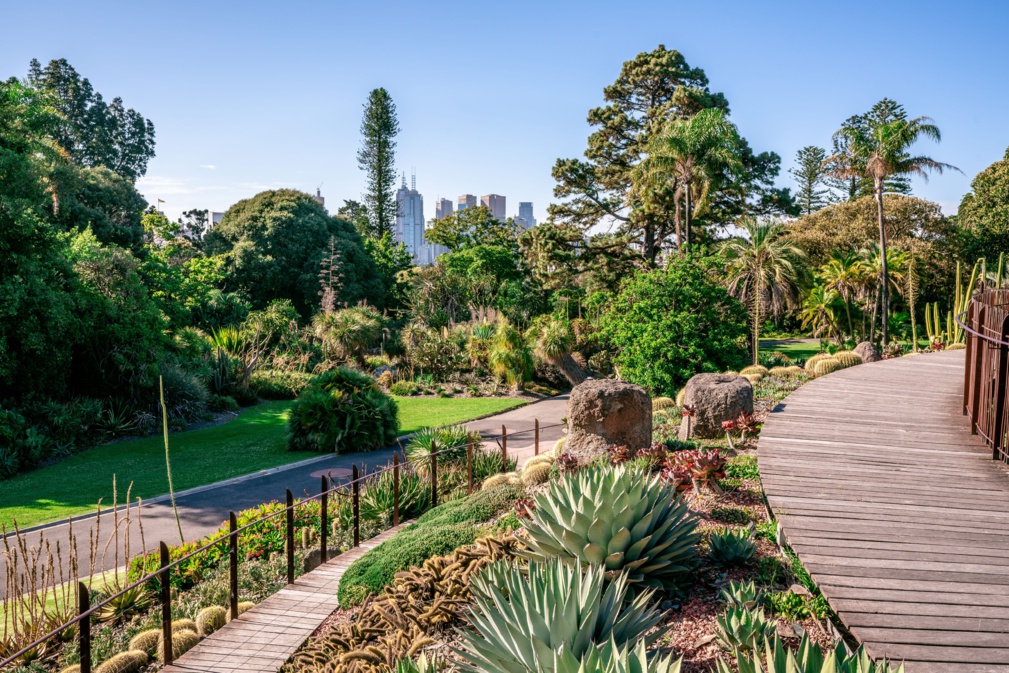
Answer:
(986, 323)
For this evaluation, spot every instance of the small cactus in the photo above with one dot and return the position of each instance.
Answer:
(811, 362)
(535, 474)
(182, 641)
(72, 668)
(184, 625)
(660, 403)
(493, 481)
(826, 366)
(124, 662)
(559, 446)
(848, 358)
(680, 397)
(542, 459)
(782, 372)
(753, 369)
(210, 619)
(146, 641)
(795, 370)
(754, 379)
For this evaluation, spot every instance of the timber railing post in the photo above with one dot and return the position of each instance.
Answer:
(166, 604)
(1002, 373)
(84, 626)
(324, 520)
(434, 474)
(536, 428)
(395, 488)
(971, 347)
(290, 537)
(469, 465)
(233, 563)
(356, 506)
(504, 449)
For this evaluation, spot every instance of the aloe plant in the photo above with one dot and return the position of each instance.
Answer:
(742, 595)
(731, 548)
(614, 658)
(744, 629)
(523, 619)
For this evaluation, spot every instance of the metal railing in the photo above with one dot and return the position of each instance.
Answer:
(350, 489)
(986, 323)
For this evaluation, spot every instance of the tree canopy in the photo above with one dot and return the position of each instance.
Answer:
(984, 213)
(377, 158)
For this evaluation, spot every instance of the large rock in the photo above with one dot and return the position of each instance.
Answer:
(715, 398)
(868, 352)
(604, 413)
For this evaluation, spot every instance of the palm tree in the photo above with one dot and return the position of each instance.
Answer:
(688, 153)
(554, 340)
(877, 148)
(347, 334)
(893, 267)
(509, 356)
(844, 272)
(765, 272)
(818, 311)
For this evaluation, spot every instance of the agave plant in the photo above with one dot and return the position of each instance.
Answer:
(742, 595)
(619, 518)
(419, 665)
(731, 547)
(377, 498)
(744, 629)
(523, 619)
(614, 658)
(125, 605)
(808, 658)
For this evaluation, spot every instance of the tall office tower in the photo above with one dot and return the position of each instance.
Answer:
(466, 201)
(526, 214)
(495, 203)
(410, 220)
(443, 209)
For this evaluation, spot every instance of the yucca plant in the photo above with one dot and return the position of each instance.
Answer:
(450, 443)
(774, 657)
(523, 618)
(731, 548)
(619, 518)
(614, 658)
(742, 595)
(744, 629)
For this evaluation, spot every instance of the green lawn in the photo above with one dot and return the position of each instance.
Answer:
(253, 441)
(796, 351)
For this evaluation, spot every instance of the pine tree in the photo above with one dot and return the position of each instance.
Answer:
(811, 193)
(377, 158)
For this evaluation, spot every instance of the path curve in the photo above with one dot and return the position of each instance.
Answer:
(897, 511)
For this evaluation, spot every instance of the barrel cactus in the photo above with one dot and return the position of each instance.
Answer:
(811, 362)
(782, 372)
(754, 379)
(124, 662)
(660, 403)
(619, 518)
(753, 369)
(146, 641)
(559, 446)
(826, 366)
(536, 473)
(848, 358)
(679, 397)
(542, 459)
(956, 347)
(211, 618)
(795, 370)
(182, 641)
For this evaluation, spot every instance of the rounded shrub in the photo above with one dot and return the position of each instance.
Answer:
(271, 384)
(754, 369)
(848, 358)
(826, 366)
(405, 388)
(811, 362)
(342, 410)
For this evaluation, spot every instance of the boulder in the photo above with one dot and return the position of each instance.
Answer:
(868, 352)
(604, 413)
(715, 398)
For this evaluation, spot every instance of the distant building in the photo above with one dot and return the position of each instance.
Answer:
(466, 201)
(526, 214)
(214, 218)
(319, 198)
(443, 209)
(410, 220)
(495, 203)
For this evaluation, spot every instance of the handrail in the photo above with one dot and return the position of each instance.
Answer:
(163, 570)
(986, 367)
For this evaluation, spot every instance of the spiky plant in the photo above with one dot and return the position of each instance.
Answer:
(124, 662)
(522, 619)
(554, 339)
(183, 640)
(378, 496)
(754, 369)
(538, 473)
(659, 403)
(742, 595)
(619, 518)
(772, 656)
(813, 359)
(450, 442)
(419, 665)
(827, 366)
(211, 618)
(783, 372)
(744, 629)
(614, 658)
(731, 547)
(125, 605)
(754, 379)
(510, 357)
(848, 358)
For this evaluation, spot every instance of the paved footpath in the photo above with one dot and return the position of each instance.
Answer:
(202, 510)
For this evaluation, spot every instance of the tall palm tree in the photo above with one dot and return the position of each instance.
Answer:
(892, 267)
(844, 272)
(687, 154)
(818, 311)
(765, 272)
(878, 147)
(554, 339)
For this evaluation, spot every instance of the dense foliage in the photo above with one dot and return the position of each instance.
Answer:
(984, 213)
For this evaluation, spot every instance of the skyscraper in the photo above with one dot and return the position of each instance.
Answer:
(526, 214)
(466, 201)
(495, 203)
(443, 209)
(410, 220)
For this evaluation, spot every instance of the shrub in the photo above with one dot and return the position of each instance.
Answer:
(619, 518)
(826, 366)
(742, 467)
(272, 384)
(186, 395)
(385, 379)
(477, 508)
(342, 410)
(731, 548)
(405, 388)
(733, 515)
(523, 618)
(775, 359)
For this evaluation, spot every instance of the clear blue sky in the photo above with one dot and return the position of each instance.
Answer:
(252, 95)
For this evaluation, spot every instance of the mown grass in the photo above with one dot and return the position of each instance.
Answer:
(254, 441)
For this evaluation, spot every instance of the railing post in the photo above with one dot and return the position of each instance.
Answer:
(166, 604)
(968, 357)
(469, 465)
(324, 512)
(434, 474)
(998, 436)
(233, 557)
(290, 537)
(536, 427)
(395, 488)
(504, 449)
(84, 626)
(978, 366)
(355, 502)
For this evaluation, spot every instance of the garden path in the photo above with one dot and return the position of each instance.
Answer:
(900, 514)
(264, 637)
(203, 510)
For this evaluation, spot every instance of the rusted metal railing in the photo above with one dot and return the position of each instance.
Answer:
(986, 323)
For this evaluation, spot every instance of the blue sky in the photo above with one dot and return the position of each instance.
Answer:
(253, 95)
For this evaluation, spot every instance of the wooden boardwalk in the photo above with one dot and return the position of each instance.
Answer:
(263, 638)
(897, 511)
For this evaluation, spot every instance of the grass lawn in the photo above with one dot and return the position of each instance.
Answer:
(796, 351)
(253, 441)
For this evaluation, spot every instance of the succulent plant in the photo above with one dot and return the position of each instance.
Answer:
(659, 403)
(618, 518)
(826, 366)
(706, 467)
(796, 370)
(558, 448)
(537, 473)
(419, 665)
(731, 547)
(811, 362)
(754, 369)
(124, 662)
(184, 625)
(146, 641)
(848, 358)
(521, 619)
(543, 458)
(742, 595)
(783, 372)
(377, 496)
(450, 443)
(956, 347)
(680, 397)
(773, 656)
(210, 619)
(620, 454)
(124, 605)
(614, 658)
(183, 640)
(744, 629)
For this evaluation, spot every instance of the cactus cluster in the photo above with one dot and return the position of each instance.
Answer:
(848, 358)
(496, 480)
(953, 334)
(827, 366)
(813, 359)
(744, 629)
(660, 403)
(731, 547)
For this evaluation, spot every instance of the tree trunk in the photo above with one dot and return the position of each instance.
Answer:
(847, 310)
(678, 222)
(572, 370)
(757, 295)
(686, 226)
(884, 275)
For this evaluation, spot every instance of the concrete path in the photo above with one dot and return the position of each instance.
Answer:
(203, 510)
